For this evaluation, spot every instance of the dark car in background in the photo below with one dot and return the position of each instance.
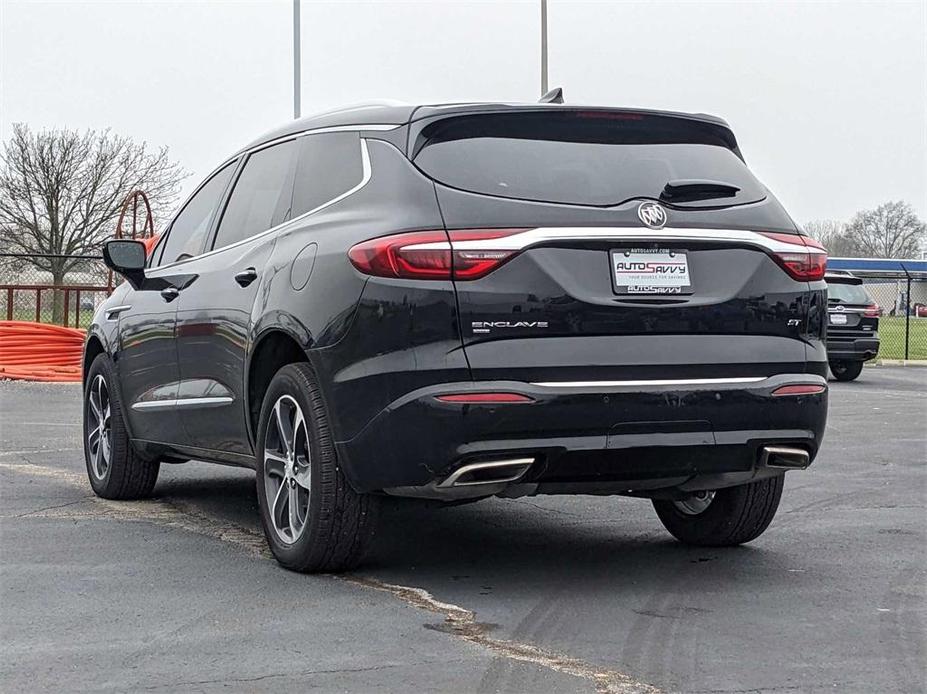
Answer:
(852, 325)
(463, 301)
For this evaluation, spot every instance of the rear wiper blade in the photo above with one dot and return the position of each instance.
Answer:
(688, 189)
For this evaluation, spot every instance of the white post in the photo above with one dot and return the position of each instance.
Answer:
(296, 59)
(543, 47)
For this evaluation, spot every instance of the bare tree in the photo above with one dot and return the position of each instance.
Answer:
(833, 235)
(892, 230)
(61, 192)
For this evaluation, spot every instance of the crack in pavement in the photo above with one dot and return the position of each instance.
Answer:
(461, 622)
(260, 678)
(33, 451)
(458, 621)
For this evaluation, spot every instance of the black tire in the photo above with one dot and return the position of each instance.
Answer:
(734, 516)
(338, 522)
(846, 370)
(125, 475)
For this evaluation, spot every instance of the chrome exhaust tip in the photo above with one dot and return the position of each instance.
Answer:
(487, 472)
(785, 457)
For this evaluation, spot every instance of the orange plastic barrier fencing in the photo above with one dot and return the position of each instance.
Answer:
(40, 352)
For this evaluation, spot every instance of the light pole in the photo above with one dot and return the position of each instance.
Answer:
(543, 47)
(296, 59)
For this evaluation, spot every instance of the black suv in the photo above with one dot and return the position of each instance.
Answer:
(853, 325)
(460, 301)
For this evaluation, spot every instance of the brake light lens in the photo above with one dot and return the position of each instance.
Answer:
(872, 311)
(800, 389)
(484, 398)
(806, 263)
(460, 254)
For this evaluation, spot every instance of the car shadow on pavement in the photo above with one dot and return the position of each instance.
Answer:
(518, 543)
(590, 541)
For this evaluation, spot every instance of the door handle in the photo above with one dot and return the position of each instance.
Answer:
(246, 276)
(170, 293)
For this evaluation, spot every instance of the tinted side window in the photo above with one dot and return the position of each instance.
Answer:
(188, 231)
(329, 164)
(260, 197)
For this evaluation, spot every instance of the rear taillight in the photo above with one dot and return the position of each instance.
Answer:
(872, 311)
(799, 389)
(805, 261)
(461, 254)
(484, 398)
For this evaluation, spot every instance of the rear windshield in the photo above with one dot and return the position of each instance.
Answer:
(847, 294)
(596, 158)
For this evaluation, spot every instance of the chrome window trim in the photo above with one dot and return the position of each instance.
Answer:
(365, 178)
(380, 127)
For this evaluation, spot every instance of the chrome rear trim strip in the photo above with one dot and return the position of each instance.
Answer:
(654, 382)
(531, 237)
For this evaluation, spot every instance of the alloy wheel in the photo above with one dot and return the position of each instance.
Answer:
(286, 469)
(695, 504)
(99, 436)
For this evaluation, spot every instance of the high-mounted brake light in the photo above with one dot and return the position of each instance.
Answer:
(434, 255)
(483, 398)
(806, 261)
(799, 389)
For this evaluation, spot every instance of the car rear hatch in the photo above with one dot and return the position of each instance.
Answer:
(567, 270)
(851, 311)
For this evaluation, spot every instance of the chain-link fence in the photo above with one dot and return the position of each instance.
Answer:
(902, 304)
(46, 288)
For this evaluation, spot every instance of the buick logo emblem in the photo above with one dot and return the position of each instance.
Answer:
(652, 214)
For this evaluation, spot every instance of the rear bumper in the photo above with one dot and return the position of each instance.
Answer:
(589, 436)
(853, 349)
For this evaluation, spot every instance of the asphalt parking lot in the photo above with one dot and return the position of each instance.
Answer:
(539, 594)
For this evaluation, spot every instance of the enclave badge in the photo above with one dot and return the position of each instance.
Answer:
(484, 326)
(652, 214)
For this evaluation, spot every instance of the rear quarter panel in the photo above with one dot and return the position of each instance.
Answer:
(369, 339)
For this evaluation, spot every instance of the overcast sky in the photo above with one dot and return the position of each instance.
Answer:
(828, 100)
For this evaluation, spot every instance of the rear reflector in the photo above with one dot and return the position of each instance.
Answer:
(803, 389)
(806, 263)
(431, 255)
(478, 398)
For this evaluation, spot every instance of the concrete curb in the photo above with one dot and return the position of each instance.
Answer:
(898, 362)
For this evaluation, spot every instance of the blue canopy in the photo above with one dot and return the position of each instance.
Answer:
(878, 266)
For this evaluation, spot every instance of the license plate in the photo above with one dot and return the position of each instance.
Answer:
(644, 271)
(838, 318)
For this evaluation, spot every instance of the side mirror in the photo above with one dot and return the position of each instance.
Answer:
(127, 257)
